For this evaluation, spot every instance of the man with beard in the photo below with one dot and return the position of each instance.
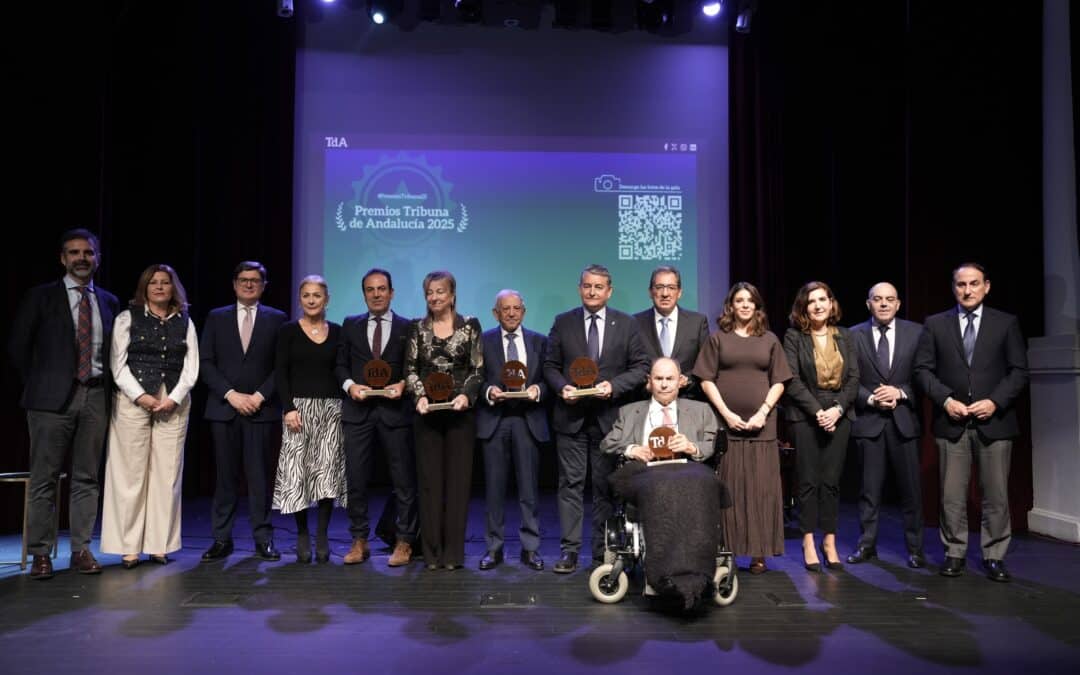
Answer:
(60, 346)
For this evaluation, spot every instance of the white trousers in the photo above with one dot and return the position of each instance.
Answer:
(143, 475)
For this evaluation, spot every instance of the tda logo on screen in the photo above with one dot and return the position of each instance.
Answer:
(401, 193)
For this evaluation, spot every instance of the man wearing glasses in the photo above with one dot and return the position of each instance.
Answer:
(237, 365)
(672, 331)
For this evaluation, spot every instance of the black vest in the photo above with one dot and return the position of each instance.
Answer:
(157, 349)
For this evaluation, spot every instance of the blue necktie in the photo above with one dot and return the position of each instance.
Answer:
(665, 336)
(511, 347)
(593, 342)
(883, 350)
(969, 336)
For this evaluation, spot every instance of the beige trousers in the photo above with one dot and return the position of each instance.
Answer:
(143, 475)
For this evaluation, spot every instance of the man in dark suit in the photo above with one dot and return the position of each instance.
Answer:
(60, 346)
(377, 334)
(511, 428)
(236, 355)
(886, 425)
(670, 330)
(972, 364)
(610, 338)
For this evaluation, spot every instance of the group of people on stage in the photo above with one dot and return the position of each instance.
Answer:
(100, 375)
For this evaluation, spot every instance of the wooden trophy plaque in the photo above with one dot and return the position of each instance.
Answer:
(514, 376)
(583, 373)
(439, 388)
(377, 376)
(658, 443)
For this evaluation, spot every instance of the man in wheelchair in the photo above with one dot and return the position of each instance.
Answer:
(673, 503)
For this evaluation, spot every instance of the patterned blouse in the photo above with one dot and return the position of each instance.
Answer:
(460, 355)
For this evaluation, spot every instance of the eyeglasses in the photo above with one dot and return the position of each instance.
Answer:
(665, 287)
(248, 281)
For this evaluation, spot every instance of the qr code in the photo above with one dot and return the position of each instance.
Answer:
(650, 227)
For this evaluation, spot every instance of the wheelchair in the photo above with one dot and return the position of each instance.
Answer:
(625, 551)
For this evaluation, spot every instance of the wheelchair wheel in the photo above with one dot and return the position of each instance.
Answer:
(604, 588)
(725, 596)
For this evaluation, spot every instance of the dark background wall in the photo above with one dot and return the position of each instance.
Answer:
(870, 141)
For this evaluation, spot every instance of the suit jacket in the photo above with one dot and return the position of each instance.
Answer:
(870, 420)
(802, 398)
(354, 352)
(690, 335)
(697, 421)
(223, 364)
(623, 362)
(488, 414)
(42, 345)
(998, 371)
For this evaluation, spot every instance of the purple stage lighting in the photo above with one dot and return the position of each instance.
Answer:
(711, 9)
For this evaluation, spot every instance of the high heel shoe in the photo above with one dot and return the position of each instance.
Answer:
(322, 548)
(832, 564)
(160, 558)
(810, 566)
(303, 548)
(130, 563)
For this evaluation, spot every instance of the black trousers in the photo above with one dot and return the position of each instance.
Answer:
(819, 456)
(903, 454)
(444, 458)
(243, 442)
(360, 440)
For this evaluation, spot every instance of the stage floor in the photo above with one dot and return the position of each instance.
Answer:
(249, 616)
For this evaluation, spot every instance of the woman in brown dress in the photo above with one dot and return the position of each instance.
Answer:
(743, 370)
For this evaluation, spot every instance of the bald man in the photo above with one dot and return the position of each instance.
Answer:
(886, 428)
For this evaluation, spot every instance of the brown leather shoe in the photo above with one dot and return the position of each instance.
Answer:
(401, 556)
(358, 553)
(41, 568)
(83, 562)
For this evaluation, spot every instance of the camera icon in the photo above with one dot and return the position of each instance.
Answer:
(606, 183)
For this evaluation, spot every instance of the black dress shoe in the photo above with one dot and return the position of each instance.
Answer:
(995, 570)
(160, 559)
(566, 563)
(532, 559)
(916, 561)
(129, 563)
(266, 551)
(218, 551)
(862, 554)
(491, 559)
(953, 567)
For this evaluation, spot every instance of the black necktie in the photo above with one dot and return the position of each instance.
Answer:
(593, 342)
(883, 350)
(969, 336)
(376, 339)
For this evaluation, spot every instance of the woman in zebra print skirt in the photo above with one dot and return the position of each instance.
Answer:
(311, 468)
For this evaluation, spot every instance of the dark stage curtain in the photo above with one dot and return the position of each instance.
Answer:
(869, 141)
(891, 141)
(167, 129)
